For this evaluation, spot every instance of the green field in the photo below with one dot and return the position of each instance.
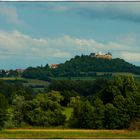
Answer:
(67, 133)
(99, 75)
(40, 84)
(73, 78)
(34, 83)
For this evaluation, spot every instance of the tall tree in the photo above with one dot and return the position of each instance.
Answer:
(3, 110)
(18, 105)
(99, 114)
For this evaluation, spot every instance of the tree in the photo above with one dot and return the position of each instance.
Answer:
(45, 110)
(111, 117)
(67, 94)
(86, 118)
(22, 92)
(75, 103)
(3, 110)
(82, 116)
(121, 98)
(99, 114)
(18, 103)
(13, 73)
(124, 117)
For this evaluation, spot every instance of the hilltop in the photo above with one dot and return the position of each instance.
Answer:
(87, 64)
(84, 65)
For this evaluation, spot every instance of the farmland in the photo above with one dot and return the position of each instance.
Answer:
(99, 75)
(67, 133)
(36, 82)
(33, 83)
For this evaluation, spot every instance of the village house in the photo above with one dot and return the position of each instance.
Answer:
(54, 66)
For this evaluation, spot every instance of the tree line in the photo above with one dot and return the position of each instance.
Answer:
(83, 65)
(79, 66)
(100, 104)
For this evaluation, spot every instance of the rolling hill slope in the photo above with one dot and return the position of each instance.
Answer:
(82, 66)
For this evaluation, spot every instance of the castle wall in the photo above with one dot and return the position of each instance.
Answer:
(106, 56)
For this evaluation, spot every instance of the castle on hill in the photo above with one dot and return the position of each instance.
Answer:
(100, 55)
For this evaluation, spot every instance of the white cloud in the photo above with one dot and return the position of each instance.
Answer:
(21, 45)
(131, 56)
(93, 45)
(10, 14)
(18, 43)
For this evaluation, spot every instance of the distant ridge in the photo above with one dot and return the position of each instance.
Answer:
(84, 65)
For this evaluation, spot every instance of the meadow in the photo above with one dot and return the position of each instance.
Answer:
(107, 75)
(67, 133)
(42, 83)
(33, 83)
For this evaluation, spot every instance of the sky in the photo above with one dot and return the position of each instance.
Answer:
(40, 33)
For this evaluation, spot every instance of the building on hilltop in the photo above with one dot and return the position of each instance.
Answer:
(92, 55)
(100, 55)
(20, 70)
(54, 66)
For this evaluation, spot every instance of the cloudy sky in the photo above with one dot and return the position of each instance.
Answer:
(35, 33)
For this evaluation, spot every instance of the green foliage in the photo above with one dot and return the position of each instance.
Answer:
(82, 116)
(111, 116)
(67, 94)
(114, 107)
(99, 104)
(38, 73)
(76, 104)
(18, 104)
(10, 89)
(10, 73)
(9, 123)
(23, 93)
(3, 110)
(68, 112)
(81, 87)
(45, 110)
(86, 65)
(86, 115)
(121, 96)
(99, 114)
(124, 117)
(82, 66)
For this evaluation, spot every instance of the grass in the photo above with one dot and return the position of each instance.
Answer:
(27, 82)
(99, 75)
(40, 84)
(34, 82)
(75, 78)
(67, 133)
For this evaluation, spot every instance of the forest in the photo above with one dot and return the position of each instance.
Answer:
(82, 66)
(95, 104)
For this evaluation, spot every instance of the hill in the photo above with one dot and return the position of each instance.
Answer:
(83, 65)
(86, 64)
